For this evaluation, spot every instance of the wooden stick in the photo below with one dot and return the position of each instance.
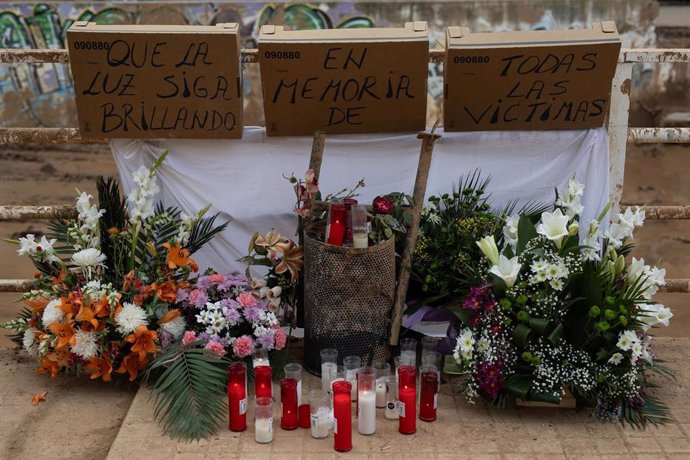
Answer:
(316, 158)
(425, 153)
(24, 213)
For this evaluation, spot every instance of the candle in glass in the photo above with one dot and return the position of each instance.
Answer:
(288, 399)
(408, 351)
(319, 404)
(407, 399)
(263, 420)
(383, 370)
(433, 358)
(366, 400)
(336, 227)
(349, 204)
(342, 416)
(237, 396)
(294, 371)
(360, 235)
(352, 364)
(429, 343)
(329, 356)
(263, 385)
(429, 393)
(391, 412)
(260, 357)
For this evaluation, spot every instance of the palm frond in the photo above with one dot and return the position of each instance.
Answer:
(203, 231)
(190, 401)
(18, 337)
(115, 216)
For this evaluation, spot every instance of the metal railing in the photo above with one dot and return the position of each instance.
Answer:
(619, 136)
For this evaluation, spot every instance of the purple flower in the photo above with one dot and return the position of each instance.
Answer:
(203, 282)
(166, 338)
(232, 315)
(182, 295)
(252, 314)
(230, 303)
(233, 279)
(204, 337)
(267, 340)
(490, 378)
(200, 300)
(479, 300)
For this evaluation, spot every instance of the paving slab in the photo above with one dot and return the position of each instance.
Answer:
(462, 430)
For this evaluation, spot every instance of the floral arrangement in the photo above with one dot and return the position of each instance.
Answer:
(445, 257)
(553, 313)
(225, 315)
(103, 302)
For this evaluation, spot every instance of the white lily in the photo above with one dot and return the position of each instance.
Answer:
(507, 270)
(488, 247)
(554, 226)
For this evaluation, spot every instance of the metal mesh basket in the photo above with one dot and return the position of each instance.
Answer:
(348, 297)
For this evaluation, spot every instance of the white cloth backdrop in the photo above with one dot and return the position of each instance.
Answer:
(242, 179)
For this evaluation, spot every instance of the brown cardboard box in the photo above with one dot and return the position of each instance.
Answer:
(157, 81)
(344, 80)
(548, 79)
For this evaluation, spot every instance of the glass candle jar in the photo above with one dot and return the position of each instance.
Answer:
(428, 399)
(336, 227)
(382, 370)
(429, 343)
(366, 400)
(329, 366)
(294, 371)
(237, 396)
(319, 404)
(391, 411)
(260, 357)
(342, 416)
(263, 419)
(407, 399)
(408, 351)
(352, 364)
(289, 419)
(263, 384)
(349, 204)
(360, 234)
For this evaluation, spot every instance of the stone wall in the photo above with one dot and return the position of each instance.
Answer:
(42, 95)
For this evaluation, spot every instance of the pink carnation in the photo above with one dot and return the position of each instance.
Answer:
(281, 338)
(189, 337)
(194, 295)
(215, 347)
(216, 278)
(246, 299)
(243, 346)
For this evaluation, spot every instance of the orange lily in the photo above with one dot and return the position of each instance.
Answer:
(169, 316)
(131, 365)
(52, 363)
(292, 260)
(167, 291)
(38, 304)
(99, 367)
(101, 307)
(129, 277)
(179, 257)
(271, 239)
(70, 304)
(143, 341)
(87, 318)
(64, 331)
(58, 279)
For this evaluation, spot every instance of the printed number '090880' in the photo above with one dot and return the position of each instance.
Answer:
(281, 54)
(81, 45)
(471, 59)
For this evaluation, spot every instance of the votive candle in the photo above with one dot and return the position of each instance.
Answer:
(329, 366)
(263, 386)
(260, 357)
(342, 416)
(391, 412)
(383, 370)
(289, 419)
(237, 396)
(366, 400)
(407, 399)
(319, 404)
(429, 393)
(352, 364)
(263, 420)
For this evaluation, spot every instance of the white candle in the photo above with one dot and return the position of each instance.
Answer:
(299, 392)
(381, 392)
(321, 423)
(263, 428)
(258, 361)
(366, 418)
(351, 376)
(360, 240)
(328, 371)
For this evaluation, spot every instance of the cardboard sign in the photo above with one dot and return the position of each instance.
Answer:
(344, 80)
(157, 81)
(529, 80)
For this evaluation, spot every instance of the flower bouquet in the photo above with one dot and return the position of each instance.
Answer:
(556, 314)
(103, 300)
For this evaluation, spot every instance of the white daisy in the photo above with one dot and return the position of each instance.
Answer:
(130, 317)
(29, 341)
(616, 359)
(175, 327)
(85, 344)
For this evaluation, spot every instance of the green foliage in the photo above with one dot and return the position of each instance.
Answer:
(190, 399)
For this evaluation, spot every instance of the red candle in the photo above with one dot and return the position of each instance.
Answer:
(263, 386)
(336, 232)
(407, 399)
(429, 393)
(305, 416)
(288, 398)
(237, 396)
(342, 415)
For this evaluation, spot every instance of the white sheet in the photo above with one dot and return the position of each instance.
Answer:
(242, 179)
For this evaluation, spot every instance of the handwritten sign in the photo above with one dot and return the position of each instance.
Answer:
(344, 81)
(157, 81)
(529, 80)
